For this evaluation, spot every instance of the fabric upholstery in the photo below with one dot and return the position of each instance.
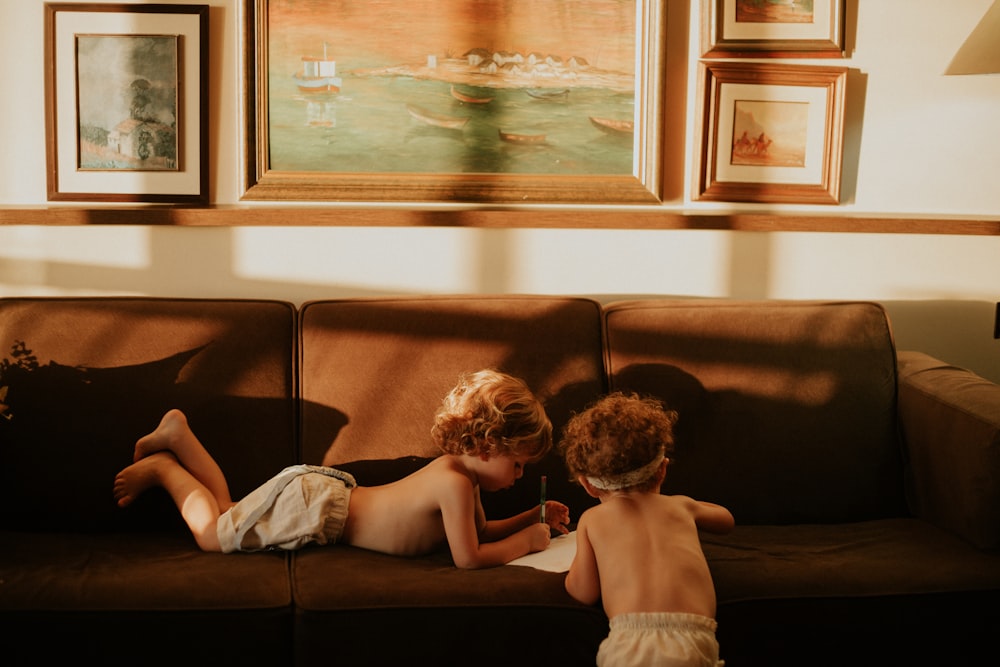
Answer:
(427, 610)
(951, 423)
(787, 409)
(80, 578)
(107, 371)
(861, 559)
(866, 510)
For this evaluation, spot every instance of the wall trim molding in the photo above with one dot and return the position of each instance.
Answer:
(562, 218)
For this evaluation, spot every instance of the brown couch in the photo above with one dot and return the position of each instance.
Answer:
(865, 484)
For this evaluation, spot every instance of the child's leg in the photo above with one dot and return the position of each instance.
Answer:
(174, 435)
(197, 504)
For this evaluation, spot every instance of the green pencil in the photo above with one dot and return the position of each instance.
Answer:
(543, 499)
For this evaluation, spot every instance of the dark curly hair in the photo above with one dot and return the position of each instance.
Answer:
(492, 413)
(617, 434)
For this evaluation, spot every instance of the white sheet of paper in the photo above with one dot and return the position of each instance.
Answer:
(557, 558)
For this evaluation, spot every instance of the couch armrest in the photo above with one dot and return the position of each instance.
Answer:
(950, 421)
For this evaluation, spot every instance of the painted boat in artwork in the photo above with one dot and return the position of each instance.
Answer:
(551, 94)
(436, 119)
(469, 99)
(515, 138)
(318, 75)
(613, 125)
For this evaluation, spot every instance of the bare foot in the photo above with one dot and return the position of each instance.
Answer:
(141, 475)
(166, 436)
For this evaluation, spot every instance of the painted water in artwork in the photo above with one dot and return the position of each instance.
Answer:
(774, 11)
(452, 86)
(127, 102)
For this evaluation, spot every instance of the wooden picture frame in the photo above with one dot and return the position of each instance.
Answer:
(772, 28)
(770, 133)
(126, 102)
(410, 111)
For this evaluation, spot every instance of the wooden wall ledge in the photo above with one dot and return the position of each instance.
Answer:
(585, 218)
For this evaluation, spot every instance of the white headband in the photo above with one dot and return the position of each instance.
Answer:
(627, 479)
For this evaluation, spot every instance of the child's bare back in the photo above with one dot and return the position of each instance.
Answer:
(401, 518)
(638, 552)
(645, 546)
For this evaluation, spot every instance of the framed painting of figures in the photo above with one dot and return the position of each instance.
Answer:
(770, 133)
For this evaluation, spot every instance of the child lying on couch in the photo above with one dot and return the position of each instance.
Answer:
(490, 426)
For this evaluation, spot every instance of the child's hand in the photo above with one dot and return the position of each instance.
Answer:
(556, 516)
(539, 537)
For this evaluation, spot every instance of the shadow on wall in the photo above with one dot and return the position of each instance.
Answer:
(183, 262)
(959, 332)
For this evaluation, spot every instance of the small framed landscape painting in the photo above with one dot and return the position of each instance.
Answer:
(126, 92)
(772, 28)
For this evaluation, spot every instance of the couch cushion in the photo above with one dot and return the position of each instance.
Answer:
(374, 371)
(865, 559)
(153, 571)
(68, 597)
(86, 377)
(889, 591)
(509, 615)
(787, 409)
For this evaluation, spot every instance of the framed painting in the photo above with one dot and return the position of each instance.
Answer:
(770, 133)
(537, 101)
(126, 100)
(772, 28)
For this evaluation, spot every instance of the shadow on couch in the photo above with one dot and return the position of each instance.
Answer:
(76, 427)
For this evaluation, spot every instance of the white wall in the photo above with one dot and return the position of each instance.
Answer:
(927, 144)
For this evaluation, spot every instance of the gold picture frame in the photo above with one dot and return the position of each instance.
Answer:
(126, 102)
(770, 133)
(772, 28)
(405, 115)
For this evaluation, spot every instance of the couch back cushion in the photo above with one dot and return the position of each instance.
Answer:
(86, 377)
(374, 371)
(787, 409)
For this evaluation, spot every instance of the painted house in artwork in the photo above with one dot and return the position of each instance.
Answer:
(143, 139)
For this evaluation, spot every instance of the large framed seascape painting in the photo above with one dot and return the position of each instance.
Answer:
(770, 133)
(126, 92)
(473, 101)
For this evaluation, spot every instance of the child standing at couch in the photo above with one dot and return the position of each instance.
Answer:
(489, 427)
(638, 551)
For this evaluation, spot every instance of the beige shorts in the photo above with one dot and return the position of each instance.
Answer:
(662, 639)
(302, 504)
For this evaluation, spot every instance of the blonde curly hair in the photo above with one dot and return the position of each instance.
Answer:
(617, 435)
(492, 413)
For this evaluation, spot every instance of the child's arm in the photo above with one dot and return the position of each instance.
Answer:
(583, 581)
(459, 504)
(713, 518)
(556, 517)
